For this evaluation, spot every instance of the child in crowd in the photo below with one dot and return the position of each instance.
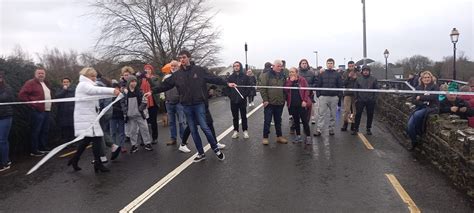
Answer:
(135, 113)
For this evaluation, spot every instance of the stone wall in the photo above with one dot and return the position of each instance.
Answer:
(448, 142)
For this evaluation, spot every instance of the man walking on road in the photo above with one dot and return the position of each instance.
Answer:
(365, 99)
(237, 102)
(191, 82)
(330, 78)
(349, 79)
(273, 101)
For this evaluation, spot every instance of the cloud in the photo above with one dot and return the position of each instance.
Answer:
(272, 28)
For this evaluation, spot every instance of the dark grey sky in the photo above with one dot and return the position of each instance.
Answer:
(290, 30)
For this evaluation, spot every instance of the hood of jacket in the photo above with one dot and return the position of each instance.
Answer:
(241, 71)
(130, 79)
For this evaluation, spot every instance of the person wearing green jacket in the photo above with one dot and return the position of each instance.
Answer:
(273, 101)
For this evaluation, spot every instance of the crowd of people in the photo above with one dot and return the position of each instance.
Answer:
(133, 118)
(426, 104)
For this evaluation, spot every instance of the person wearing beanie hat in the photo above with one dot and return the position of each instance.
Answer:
(267, 67)
(365, 99)
(135, 113)
(148, 81)
(455, 105)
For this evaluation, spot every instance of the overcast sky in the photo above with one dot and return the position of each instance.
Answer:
(283, 29)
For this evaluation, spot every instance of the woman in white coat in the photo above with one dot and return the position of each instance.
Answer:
(85, 113)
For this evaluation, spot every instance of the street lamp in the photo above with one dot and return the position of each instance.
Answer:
(246, 65)
(316, 52)
(385, 54)
(454, 38)
(364, 33)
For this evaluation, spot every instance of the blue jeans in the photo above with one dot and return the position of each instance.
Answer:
(196, 114)
(270, 111)
(415, 123)
(5, 125)
(117, 131)
(175, 110)
(39, 130)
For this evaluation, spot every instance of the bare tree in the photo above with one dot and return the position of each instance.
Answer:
(464, 67)
(415, 64)
(60, 64)
(156, 30)
(19, 54)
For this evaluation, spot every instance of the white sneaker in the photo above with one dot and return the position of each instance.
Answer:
(103, 159)
(235, 135)
(220, 146)
(114, 147)
(246, 134)
(184, 148)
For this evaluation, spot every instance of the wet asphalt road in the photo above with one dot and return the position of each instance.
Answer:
(335, 174)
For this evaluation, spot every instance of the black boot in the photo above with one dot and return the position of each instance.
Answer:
(412, 145)
(368, 131)
(98, 166)
(344, 127)
(354, 132)
(73, 162)
(352, 127)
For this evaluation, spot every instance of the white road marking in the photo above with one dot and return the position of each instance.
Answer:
(140, 200)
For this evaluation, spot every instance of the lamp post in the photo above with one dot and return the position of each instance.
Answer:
(364, 32)
(385, 54)
(246, 65)
(316, 52)
(454, 38)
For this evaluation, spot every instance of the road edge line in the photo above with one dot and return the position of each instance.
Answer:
(403, 194)
(365, 141)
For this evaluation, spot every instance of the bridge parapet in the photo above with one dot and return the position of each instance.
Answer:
(448, 142)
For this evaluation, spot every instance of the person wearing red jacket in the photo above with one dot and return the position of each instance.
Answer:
(299, 104)
(37, 89)
(468, 98)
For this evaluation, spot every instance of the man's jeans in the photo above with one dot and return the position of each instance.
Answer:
(196, 115)
(5, 125)
(39, 130)
(175, 111)
(274, 111)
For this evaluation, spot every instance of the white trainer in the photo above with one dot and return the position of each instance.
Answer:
(246, 134)
(220, 146)
(184, 148)
(235, 135)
